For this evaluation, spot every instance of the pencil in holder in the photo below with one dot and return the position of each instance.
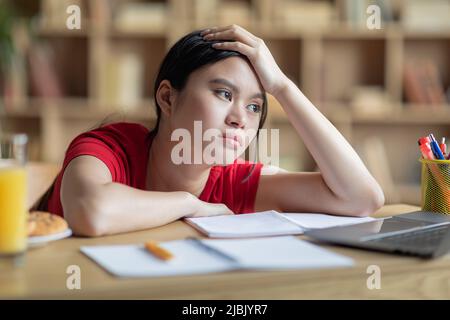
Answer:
(435, 186)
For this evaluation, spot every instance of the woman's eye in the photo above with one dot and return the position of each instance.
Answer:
(225, 94)
(254, 108)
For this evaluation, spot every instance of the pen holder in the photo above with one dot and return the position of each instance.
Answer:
(435, 185)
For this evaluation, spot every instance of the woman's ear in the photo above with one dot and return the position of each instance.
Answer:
(165, 97)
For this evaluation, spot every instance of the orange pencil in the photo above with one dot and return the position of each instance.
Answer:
(154, 248)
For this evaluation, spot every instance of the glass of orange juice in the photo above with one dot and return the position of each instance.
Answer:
(13, 186)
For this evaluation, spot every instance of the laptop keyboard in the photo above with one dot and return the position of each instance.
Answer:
(423, 241)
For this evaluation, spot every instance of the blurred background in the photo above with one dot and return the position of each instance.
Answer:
(382, 88)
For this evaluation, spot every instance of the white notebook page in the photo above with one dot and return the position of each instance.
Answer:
(319, 221)
(266, 223)
(278, 253)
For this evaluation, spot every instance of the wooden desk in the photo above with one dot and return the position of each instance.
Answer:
(44, 275)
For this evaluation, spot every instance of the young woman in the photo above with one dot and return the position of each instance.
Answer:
(121, 177)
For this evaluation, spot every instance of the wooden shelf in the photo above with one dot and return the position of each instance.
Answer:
(160, 33)
(400, 115)
(77, 108)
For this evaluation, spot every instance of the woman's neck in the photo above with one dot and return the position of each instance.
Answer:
(164, 175)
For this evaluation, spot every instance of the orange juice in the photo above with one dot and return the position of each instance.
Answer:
(13, 213)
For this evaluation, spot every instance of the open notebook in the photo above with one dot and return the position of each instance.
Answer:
(268, 223)
(192, 257)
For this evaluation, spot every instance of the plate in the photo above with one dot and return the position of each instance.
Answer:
(38, 241)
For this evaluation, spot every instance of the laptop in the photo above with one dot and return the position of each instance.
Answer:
(419, 233)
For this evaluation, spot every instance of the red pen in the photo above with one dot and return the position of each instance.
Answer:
(426, 151)
(443, 146)
(424, 140)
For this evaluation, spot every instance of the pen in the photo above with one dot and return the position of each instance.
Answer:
(423, 140)
(154, 248)
(212, 249)
(435, 147)
(425, 148)
(426, 151)
(443, 146)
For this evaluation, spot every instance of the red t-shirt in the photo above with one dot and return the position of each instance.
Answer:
(123, 147)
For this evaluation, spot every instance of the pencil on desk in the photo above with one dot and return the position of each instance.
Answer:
(154, 248)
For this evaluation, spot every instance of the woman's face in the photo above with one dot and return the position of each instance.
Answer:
(227, 98)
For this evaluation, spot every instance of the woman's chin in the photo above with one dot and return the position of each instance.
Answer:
(224, 156)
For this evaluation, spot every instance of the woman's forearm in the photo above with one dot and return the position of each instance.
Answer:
(340, 166)
(115, 208)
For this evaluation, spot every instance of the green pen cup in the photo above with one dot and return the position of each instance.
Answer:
(435, 186)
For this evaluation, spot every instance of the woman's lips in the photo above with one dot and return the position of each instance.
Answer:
(231, 141)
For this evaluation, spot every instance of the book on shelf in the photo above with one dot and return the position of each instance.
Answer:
(181, 10)
(13, 85)
(423, 84)
(101, 14)
(235, 12)
(370, 100)
(141, 17)
(265, 10)
(430, 15)
(205, 12)
(15, 73)
(44, 79)
(122, 80)
(304, 14)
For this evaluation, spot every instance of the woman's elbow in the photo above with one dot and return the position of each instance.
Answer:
(85, 218)
(372, 200)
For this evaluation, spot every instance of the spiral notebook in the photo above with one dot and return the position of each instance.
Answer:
(268, 223)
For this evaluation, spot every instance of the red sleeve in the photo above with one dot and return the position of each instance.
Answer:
(98, 149)
(246, 185)
(234, 185)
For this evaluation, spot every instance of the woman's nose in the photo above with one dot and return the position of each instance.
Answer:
(237, 117)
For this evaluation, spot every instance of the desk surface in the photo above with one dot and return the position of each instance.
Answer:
(44, 275)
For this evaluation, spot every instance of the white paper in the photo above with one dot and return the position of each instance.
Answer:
(278, 253)
(265, 223)
(191, 258)
(319, 221)
(136, 261)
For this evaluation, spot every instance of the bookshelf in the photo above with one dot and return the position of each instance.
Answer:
(330, 60)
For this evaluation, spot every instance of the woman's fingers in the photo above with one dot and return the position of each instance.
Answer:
(235, 46)
(208, 30)
(211, 209)
(230, 27)
(230, 33)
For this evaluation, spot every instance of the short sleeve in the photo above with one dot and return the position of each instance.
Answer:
(98, 149)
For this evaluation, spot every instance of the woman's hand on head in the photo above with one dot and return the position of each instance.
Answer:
(206, 209)
(269, 73)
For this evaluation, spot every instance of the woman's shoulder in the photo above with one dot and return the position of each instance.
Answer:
(118, 132)
(128, 128)
(120, 140)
